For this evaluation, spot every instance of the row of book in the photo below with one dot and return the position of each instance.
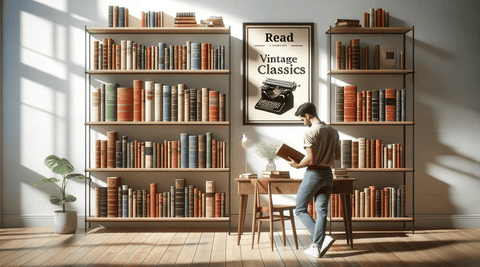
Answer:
(117, 200)
(370, 105)
(376, 18)
(371, 202)
(129, 55)
(118, 16)
(354, 57)
(192, 151)
(152, 19)
(371, 153)
(156, 102)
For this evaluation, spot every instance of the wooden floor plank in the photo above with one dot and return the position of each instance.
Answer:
(171, 255)
(439, 248)
(428, 249)
(99, 249)
(270, 258)
(144, 249)
(113, 249)
(17, 241)
(158, 250)
(233, 256)
(286, 253)
(467, 238)
(122, 257)
(306, 241)
(300, 253)
(404, 251)
(219, 249)
(379, 246)
(250, 257)
(344, 250)
(459, 249)
(185, 258)
(204, 252)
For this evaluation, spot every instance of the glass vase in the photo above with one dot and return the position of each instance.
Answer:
(271, 165)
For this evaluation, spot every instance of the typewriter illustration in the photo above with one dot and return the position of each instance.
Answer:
(277, 96)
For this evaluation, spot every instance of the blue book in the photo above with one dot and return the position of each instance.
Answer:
(186, 201)
(167, 93)
(121, 16)
(208, 149)
(193, 151)
(124, 201)
(161, 56)
(152, 19)
(381, 104)
(111, 102)
(195, 57)
(184, 150)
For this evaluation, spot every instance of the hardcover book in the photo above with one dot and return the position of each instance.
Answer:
(285, 151)
(387, 57)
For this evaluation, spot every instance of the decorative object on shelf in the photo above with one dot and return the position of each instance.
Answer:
(267, 150)
(246, 143)
(278, 71)
(65, 221)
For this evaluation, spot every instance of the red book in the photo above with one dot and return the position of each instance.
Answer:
(105, 54)
(364, 105)
(379, 17)
(373, 151)
(165, 153)
(354, 154)
(369, 105)
(160, 205)
(209, 50)
(149, 57)
(118, 57)
(386, 203)
(142, 104)
(390, 101)
(339, 54)
(372, 200)
(103, 154)
(195, 202)
(200, 210)
(174, 154)
(365, 19)
(213, 105)
(365, 58)
(112, 196)
(98, 153)
(153, 194)
(359, 106)
(124, 104)
(204, 56)
(156, 205)
(378, 153)
(137, 100)
(214, 153)
(350, 103)
(218, 205)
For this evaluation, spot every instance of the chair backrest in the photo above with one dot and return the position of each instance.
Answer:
(262, 187)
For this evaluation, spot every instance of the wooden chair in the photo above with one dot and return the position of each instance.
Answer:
(264, 187)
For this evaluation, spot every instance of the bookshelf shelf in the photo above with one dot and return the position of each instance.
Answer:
(370, 72)
(157, 170)
(374, 123)
(159, 30)
(369, 30)
(371, 219)
(148, 219)
(408, 140)
(161, 123)
(160, 72)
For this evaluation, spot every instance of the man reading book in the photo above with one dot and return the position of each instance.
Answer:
(322, 147)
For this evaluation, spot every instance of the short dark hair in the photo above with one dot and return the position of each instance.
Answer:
(305, 108)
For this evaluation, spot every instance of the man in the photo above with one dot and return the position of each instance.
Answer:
(322, 146)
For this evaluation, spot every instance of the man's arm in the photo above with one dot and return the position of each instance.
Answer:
(337, 154)
(307, 160)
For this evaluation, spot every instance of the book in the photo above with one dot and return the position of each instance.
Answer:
(180, 197)
(387, 57)
(208, 150)
(346, 154)
(213, 106)
(167, 89)
(205, 104)
(118, 154)
(193, 151)
(184, 150)
(359, 106)
(195, 59)
(285, 151)
(381, 105)
(96, 115)
(124, 104)
(350, 103)
(111, 148)
(248, 175)
(111, 102)
(375, 105)
(137, 100)
(199, 105)
(193, 104)
(355, 154)
(112, 196)
(202, 151)
(181, 102)
(339, 103)
(355, 44)
(390, 104)
(368, 105)
(361, 153)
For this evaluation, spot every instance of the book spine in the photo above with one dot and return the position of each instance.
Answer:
(346, 155)
(124, 104)
(201, 151)
(369, 105)
(377, 56)
(381, 105)
(375, 105)
(205, 104)
(149, 87)
(350, 103)
(362, 205)
(186, 204)
(361, 153)
(403, 104)
(179, 197)
(158, 111)
(204, 56)
(214, 153)
(96, 115)
(355, 54)
(174, 103)
(181, 102)
(167, 89)
(124, 190)
(186, 104)
(184, 150)
(111, 102)
(97, 202)
(354, 154)
(359, 106)
(213, 106)
(148, 154)
(124, 152)
(175, 154)
(339, 103)
(195, 202)
(372, 17)
(390, 102)
(193, 104)
(218, 205)
(193, 151)
(338, 54)
(343, 56)
(112, 196)
(199, 105)
(111, 148)
(208, 150)
(137, 100)
(195, 56)
(398, 105)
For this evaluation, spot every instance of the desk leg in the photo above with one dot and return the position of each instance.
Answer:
(349, 210)
(345, 216)
(241, 216)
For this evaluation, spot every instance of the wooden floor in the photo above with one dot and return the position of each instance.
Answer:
(148, 247)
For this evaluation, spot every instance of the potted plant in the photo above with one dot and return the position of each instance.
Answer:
(267, 150)
(65, 221)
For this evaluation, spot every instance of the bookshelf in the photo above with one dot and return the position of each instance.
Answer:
(218, 80)
(398, 126)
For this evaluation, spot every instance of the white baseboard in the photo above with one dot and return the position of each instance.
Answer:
(421, 222)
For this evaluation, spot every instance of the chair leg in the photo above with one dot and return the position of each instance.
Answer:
(292, 219)
(254, 221)
(259, 230)
(271, 228)
(282, 220)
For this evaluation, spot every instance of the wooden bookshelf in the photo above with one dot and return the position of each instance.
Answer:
(156, 219)
(161, 123)
(158, 72)
(379, 170)
(369, 30)
(158, 30)
(373, 219)
(370, 72)
(158, 170)
(376, 123)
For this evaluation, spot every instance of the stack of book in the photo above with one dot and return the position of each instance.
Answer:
(152, 19)
(347, 23)
(185, 19)
(339, 173)
(276, 174)
(249, 175)
(213, 21)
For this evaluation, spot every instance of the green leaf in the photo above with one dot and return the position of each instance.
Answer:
(76, 176)
(56, 201)
(44, 181)
(59, 165)
(70, 198)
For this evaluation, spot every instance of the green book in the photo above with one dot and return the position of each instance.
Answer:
(172, 56)
(208, 146)
(111, 102)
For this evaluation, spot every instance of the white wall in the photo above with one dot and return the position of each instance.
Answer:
(43, 103)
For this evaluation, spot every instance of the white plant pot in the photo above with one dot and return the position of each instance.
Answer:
(65, 222)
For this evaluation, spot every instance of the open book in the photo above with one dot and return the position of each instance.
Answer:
(285, 151)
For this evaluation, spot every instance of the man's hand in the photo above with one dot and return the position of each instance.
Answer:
(292, 162)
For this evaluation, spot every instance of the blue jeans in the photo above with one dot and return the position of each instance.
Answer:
(318, 184)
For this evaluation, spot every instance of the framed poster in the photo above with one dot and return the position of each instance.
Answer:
(277, 70)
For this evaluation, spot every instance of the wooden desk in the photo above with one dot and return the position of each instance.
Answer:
(343, 186)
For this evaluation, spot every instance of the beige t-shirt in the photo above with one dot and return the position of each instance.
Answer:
(322, 139)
